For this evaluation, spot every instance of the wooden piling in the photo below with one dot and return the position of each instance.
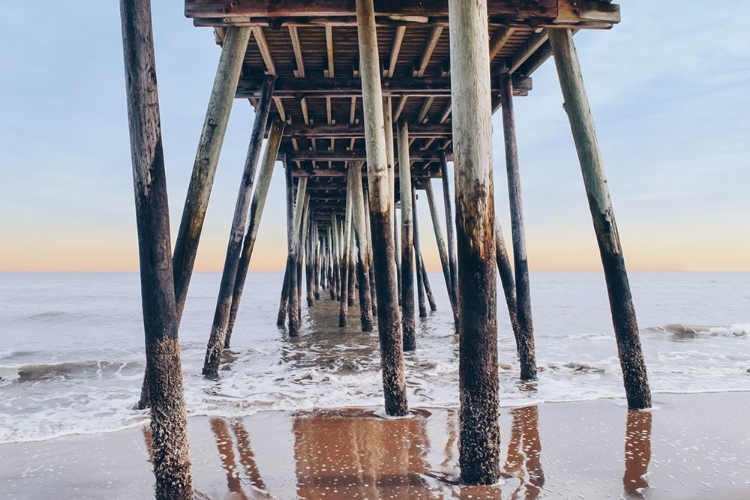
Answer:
(373, 291)
(295, 319)
(421, 295)
(506, 278)
(222, 320)
(231, 289)
(472, 138)
(440, 240)
(624, 320)
(345, 256)
(407, 239)
(336, 260)
(427, 286)
(391, 348)
(284, 301)
(169, 448)
(526, 350)
(331, 263)
(360, 228)
(207, 159)
(449, 221)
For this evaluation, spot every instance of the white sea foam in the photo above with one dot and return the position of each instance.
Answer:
(82, 374)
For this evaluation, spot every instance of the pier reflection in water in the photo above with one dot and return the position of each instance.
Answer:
(355, 454)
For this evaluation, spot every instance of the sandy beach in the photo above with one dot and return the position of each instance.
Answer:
(689, 447)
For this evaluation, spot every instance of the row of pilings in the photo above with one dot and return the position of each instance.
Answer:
(369, 226)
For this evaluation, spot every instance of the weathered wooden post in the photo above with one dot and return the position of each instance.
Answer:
(391, 352)
(363, 266)
(440, 243)
(231, 261)
(427, 286)
(346, 276)
(170, 454)
(309, 259)
(407, 239)
(391, 160)
(373, 291)
(336, 259)
(316, 261)
(472, 139)
(207, 159)
(421, 299)
(295, 319)
(448, 203)
(204, 169)
(304, 255)
(525, 339)
(231, 290)
(592, 166)
(506, 278)
(284, 302)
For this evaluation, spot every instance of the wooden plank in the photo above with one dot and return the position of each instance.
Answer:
(512, 9)
(341, 87)
(265, 51)
(297, 49)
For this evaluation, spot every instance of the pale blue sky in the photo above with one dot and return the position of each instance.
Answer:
(668, 88)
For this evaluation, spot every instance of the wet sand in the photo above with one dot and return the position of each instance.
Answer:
(691, 447)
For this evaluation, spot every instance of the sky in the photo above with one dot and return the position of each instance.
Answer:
(668, 89)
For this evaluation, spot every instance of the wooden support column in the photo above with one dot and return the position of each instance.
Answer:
(352, 268)
(506, 278)
(336, 259)
(207, 159)
(391, 159)
(169, 448)
(526, 350)
(421, 296)
(222, 320)
(295, 319)
(407, 239)
(427, 286)
(479, 457)
(226, 310)
(448, 203)
(345, 259)
(440, 240)
(592, 166)
(391, 348)
(360, 227)
(304, 253)
(373, 291)
(332, 262)
(284, 302)
(316, 261)
(309, 262)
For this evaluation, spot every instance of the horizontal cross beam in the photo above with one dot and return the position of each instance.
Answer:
(335, 131)
(537, 10)
(352, 87)
(356, 155)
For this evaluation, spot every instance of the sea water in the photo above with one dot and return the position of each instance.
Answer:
(72, 348)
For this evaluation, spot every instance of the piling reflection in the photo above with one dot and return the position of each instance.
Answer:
(637, 453)
(225, 445)
(524, 457)
(351, 454)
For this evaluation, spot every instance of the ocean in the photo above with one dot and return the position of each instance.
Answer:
(72, 355)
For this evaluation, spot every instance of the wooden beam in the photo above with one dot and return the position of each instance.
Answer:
(329, 73)
(527, 50)
(429, 48)
(265, 52)
(352, 87)
(398, 38)
(537, 10)
(422, 115)
(338, 131)
(355, 155)
(499, 40)
(297, 48)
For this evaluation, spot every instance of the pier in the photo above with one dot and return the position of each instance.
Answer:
(363, 103)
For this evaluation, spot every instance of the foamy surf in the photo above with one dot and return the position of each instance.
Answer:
(82, 374)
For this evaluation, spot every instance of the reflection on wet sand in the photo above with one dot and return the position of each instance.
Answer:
(352, 454)
(524, 460)
(225, 445)
(637, 453)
